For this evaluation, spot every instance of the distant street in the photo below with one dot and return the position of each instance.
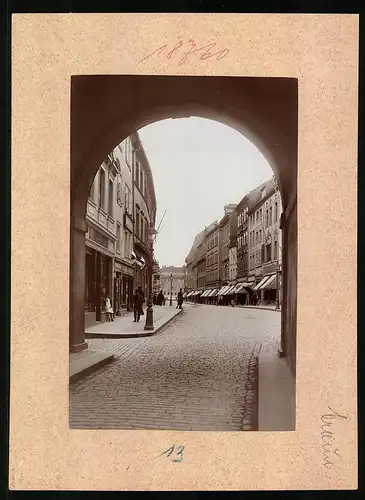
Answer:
(193, 375)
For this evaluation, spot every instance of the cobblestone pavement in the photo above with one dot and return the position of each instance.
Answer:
(195, 374)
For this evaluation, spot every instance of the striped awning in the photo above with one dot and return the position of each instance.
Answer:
(259, 285)
(270, 283)
(230, 289)
(206, 293)
(223, 289)
(214, 293)
(190, 294)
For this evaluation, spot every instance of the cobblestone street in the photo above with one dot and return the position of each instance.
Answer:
(195, 374)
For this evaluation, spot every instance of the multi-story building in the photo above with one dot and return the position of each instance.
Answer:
(112, 232)
(191, 278)
(172, 279)
(201, 266)
(265, 241)
(100, 239)
(144, 204)
(123, 265)
(224, 239)
(212, 256)
(232, 265)
(242, 239)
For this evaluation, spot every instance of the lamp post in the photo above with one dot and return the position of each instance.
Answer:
(149, 310)
(278, 286)
(171, 289)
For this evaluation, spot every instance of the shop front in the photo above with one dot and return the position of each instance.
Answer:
(98, 284)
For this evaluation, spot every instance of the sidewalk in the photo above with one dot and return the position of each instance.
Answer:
(85, 362)
(124, 327)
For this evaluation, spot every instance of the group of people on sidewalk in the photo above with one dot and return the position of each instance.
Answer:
(159, 299)
(138, 301)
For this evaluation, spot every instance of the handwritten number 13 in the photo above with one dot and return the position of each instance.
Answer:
(179, 453)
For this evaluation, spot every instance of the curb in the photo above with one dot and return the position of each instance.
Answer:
(131, 335)
(255, 406)
(90, 369)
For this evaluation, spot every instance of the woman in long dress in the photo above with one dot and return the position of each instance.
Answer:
(109, 309)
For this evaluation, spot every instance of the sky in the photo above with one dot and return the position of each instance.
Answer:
(198, 166)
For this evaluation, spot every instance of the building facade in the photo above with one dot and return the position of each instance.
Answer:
(242, 239)
(113, 232)
(224, 241)
(212, 256)
(265, 242)
(232, 259)
(144, 203)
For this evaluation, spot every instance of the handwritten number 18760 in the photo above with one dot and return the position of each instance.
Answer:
(205, 52)
(179, 453)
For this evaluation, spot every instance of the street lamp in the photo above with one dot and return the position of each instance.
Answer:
(149, 310)
(171, 290)
(278, 286)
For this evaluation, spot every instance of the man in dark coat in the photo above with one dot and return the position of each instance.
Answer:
(137, 305)
(180, 299)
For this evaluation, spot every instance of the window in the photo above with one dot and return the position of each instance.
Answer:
(136, 180)
(127, 199)
(111, 198)
(267, 218)
(118, 237)
(270, 217)
(268, 252)
(275, 256)
(137, 224)
(145, 186)
(276, 212)
(119, 190)
(141, 184)
(102, 188)
(257, 216)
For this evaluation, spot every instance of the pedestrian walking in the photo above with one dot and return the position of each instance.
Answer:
(180, 299)
(137, 306)
(109, 309)
(140, 291)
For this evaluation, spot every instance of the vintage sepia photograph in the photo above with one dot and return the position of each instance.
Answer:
(183, 252)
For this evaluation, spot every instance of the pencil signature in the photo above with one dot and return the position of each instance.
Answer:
(328, 438)
(208, 51)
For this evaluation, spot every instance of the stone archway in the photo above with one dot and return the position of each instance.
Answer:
(107, 109)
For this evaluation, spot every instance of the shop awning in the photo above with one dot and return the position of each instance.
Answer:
(230, 290)
(240, 288)
(261, 282)
(190, 294)
(198, 292)
(270, 283)
(223, 289)
(214, 293)
(206, 293)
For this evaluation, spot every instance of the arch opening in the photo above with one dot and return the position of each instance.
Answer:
(107, 109)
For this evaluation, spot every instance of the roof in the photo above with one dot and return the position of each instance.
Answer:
(198, 240)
